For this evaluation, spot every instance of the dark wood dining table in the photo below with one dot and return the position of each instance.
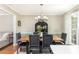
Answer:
(25, 38)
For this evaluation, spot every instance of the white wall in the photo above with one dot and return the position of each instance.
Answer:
(14, 14)
(6, 23)
(67, 19)
(55, 24)
(67, 26)
(78, 29)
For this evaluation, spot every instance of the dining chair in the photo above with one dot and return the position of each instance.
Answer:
(35, 32)
(45, 33)
(47, 41)
(20, 44)
(63, 36)
(34, 47)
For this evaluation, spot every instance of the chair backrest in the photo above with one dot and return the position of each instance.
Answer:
(33, 40)
(63, 36)
(47, 40)
(18, 35)
(45, 33)
(35, 32)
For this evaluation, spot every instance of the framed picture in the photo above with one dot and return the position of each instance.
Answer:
(19, 23)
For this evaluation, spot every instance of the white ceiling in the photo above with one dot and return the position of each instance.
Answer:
(35, 9)
(3, 12)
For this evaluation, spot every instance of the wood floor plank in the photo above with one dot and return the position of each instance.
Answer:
(8, 50)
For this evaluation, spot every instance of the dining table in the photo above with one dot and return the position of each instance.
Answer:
(25, 38)
(57, 39)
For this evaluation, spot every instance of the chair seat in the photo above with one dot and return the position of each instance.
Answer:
(23, 44)
(34, 50)
(46, 50)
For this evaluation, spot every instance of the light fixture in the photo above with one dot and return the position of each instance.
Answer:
(41, 16)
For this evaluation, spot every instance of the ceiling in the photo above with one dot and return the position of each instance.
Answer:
(35, 9)
(3, 12)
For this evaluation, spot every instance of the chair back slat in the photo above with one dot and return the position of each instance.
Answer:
(63, 36)
(34, 40)
(47, 40)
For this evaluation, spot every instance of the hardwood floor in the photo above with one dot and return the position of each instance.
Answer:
(8, 50)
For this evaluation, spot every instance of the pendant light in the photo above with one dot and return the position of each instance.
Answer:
(41, 17)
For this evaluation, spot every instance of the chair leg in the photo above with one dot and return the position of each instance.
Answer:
(51, 51)
(40, 49)
(27, 48)
(17, 49)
